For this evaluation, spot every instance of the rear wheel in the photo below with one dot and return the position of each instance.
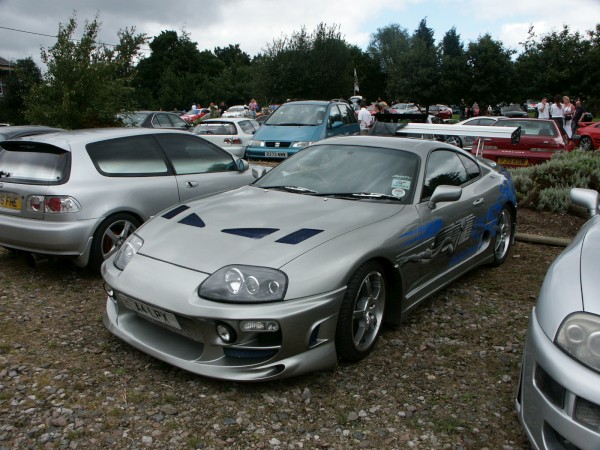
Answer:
(586, 144)
(109, 236)
(503, 237)
(454, 140)
(361, 313)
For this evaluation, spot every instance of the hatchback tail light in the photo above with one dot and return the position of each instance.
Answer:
(233, 141)
(54, 204)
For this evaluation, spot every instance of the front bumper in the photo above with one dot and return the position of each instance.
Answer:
(559, 399)
(271, 153)
(304, 343)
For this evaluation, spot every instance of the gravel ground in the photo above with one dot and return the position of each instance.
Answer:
(445, 379)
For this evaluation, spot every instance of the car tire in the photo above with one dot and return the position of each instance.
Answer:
(585, 144)
(504, 236)
(454, 140)
(109, 236)
(361, 314)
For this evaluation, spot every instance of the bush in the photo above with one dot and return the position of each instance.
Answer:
(546, 186)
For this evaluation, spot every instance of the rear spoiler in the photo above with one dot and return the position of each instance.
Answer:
(435, 131)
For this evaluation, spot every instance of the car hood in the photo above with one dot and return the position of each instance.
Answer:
(253, 226)
(287, 133)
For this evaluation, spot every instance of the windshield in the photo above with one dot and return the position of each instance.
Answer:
(215, 128)
(133, 119)
(347, 171)
(298, 114)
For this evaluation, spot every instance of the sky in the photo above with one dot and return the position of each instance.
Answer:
(254, 24)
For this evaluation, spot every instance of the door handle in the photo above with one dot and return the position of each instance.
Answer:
(191, 184)
(478, 202)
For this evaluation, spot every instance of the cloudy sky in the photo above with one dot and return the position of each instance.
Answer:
(27, 25)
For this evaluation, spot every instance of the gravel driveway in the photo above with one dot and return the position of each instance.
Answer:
(445, 379)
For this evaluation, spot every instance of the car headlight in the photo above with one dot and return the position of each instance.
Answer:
(127, 251)
(301, 144)
(255, 143)
(244, 284)
(579, 336)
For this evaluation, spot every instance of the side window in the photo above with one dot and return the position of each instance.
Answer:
(176, 121)
(443, 168)
(246, 126)
(162, 120)
(190, 154)
(132, 156)
(351, 115)
(334, 115)
(344, 114)
(471, 166)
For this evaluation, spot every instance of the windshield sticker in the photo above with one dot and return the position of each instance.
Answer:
(401, 182)
(399, 193)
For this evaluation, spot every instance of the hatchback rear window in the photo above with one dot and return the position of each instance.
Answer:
(34, 163)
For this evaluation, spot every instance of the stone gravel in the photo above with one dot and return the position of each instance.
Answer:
(445, 379)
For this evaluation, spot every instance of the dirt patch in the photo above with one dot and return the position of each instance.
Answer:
(445, 379)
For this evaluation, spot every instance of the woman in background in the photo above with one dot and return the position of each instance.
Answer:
(568, 112)
(556, 112)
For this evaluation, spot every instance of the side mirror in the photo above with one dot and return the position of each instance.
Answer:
(444, 193)
(258, 171)
(242, 165)
(587, 198)
(337, 124)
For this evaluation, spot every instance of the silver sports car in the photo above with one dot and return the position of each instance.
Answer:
(303, 267)
(559, 396)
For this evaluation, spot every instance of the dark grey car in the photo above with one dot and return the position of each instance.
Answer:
(79, 194)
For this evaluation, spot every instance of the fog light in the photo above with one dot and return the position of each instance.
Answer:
(259, 325)
(109, 290)
(226, 333)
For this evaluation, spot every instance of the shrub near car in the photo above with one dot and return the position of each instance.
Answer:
(540, 140)
(79, 194)
(303, 267)
(295, 125)
(558, 400)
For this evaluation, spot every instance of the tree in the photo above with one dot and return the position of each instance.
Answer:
(490, 70)
(25, 76)
(452, 85)
(388, 47)
(87, 83)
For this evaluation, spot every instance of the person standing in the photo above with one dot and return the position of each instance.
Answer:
(556, 113)
(579, 111)
(543, 108)
(253, 106)
(364, 118)
(568, 111)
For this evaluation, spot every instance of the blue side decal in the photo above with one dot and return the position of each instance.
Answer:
(298, 236)
(253, 233)
(193, 220)
(425, 231)
(175, 211)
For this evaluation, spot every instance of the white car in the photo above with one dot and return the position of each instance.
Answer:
(230, 133)
(467, 141)
(238, 111)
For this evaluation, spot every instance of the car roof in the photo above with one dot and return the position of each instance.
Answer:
(226, 119)
(418, 146)
(64, 139)
(313, 102)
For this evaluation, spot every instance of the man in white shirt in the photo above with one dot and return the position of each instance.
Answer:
(543, 109)
(364, 118)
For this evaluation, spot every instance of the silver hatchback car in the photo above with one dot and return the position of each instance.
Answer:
(79, 194)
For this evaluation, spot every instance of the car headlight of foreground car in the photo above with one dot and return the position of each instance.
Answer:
(579, 336)
(127, 251)
(301, 144)
(244, 284)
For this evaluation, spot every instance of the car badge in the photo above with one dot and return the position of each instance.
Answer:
(277, 144)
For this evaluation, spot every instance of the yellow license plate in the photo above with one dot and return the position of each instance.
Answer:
(513, 161)
(10, 201)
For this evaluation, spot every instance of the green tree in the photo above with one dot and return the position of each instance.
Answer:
(453, 84)
(18, 85)
(490, 69)
(387, 47)
(87, 83)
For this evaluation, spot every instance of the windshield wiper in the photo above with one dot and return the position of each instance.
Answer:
(359, 195)
(291, 188)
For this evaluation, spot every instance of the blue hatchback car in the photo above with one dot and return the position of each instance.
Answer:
(295, 125)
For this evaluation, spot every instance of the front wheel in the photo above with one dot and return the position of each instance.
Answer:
(454, 140)
(109, 236)
(361, 313)
(586, 144)
(503, 237)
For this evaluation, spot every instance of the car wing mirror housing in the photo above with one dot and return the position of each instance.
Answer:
(445, 193)
(258, 171)
(242, 165)
(586, 198)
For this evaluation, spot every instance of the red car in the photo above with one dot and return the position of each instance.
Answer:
(441, 111)
(540, 140)
(194, 114)
(589, 135)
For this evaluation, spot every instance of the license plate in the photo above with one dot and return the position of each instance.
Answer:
(152, 312)
(10, 201)
(276, 154)
(513, 161)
